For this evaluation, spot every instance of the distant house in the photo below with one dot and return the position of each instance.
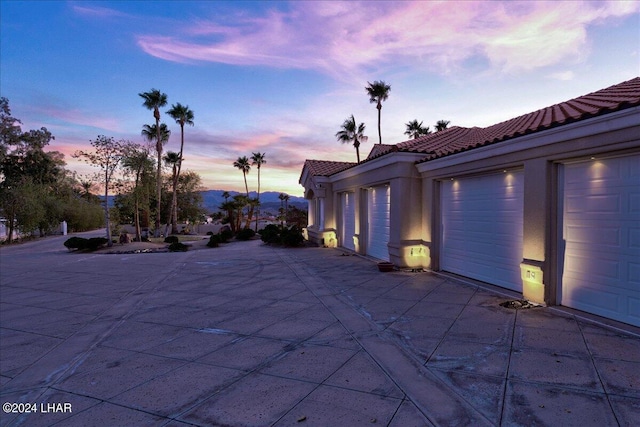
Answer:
(546, 204)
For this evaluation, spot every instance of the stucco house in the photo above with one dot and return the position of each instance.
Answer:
(546, 204)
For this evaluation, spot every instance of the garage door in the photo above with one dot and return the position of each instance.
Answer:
(348, 209)
(482, 228)
(601, 236)
(378, 226)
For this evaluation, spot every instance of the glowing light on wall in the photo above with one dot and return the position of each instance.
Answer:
(509, 183)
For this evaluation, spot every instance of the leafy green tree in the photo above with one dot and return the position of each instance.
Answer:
(138, 165)
(83, 215)
(29, 175)
(258, 159)
(297, 217)
(244, 166)
(183, 116)
(378, 91)
(154, 100)
(107, 155)
(416, 130)
(190, 201)
(10, 130)
(352, 133)
(25, 206)
(442, 125)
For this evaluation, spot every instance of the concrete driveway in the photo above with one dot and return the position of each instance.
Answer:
(247, 334)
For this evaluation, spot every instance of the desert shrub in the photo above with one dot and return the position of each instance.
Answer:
(285, 236)
(245, 234)
(226, 235)
(75, 242)
(171, 239)
(270, 234)
(81, 243)
(178, 247)
(214, 241)
(291, 236)
(96, 242)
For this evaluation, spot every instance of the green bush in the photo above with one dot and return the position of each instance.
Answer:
(214, 241)
(270, 234)
(178, 247)
(245, 234)
(274, 234)
(80, 243)
(77, 243)
(226, 235)
(291, 237)
(96, 243)
(171, 239)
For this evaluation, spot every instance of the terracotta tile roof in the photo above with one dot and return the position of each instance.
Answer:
(380, 149)
(457, 139)
(325, 167)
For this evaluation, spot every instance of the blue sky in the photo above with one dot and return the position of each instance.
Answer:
(281, 77)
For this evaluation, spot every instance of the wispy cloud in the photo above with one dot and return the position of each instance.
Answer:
(346, 38)
(97, 11)
(563, 75)
(78, 117)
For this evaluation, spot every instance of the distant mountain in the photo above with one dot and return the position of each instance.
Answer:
(269, 201)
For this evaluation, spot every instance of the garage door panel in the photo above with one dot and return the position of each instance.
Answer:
(348, 220)
(608, 302)
(601, 213)
(577, 263)
(586, 234)
(482, 228)
(633, 307)
(633, 274)
(634, 203)
(594, 204)
(378, 226)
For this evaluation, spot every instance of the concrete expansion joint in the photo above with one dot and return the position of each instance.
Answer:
(396, 361)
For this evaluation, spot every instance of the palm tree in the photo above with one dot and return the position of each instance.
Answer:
(240, 202)
(183, 116)
(226, 196)
(153, 100)
(352, 133)
(442, 125)
(258, 159)
(282, 196)
(230, 207)
(416, 130)
(150, 133)
(378, 91)
(172, 159)
(243, 164)
(286, 207)
(87, 186)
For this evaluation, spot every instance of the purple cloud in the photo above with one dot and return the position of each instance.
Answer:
(343, 38)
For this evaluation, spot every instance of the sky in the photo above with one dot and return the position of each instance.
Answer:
(281, 77)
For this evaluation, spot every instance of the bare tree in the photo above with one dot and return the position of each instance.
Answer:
(107, 154)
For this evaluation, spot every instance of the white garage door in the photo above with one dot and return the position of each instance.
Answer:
(348, 209)
(378, 227)
(482, 228)
(601, 236)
